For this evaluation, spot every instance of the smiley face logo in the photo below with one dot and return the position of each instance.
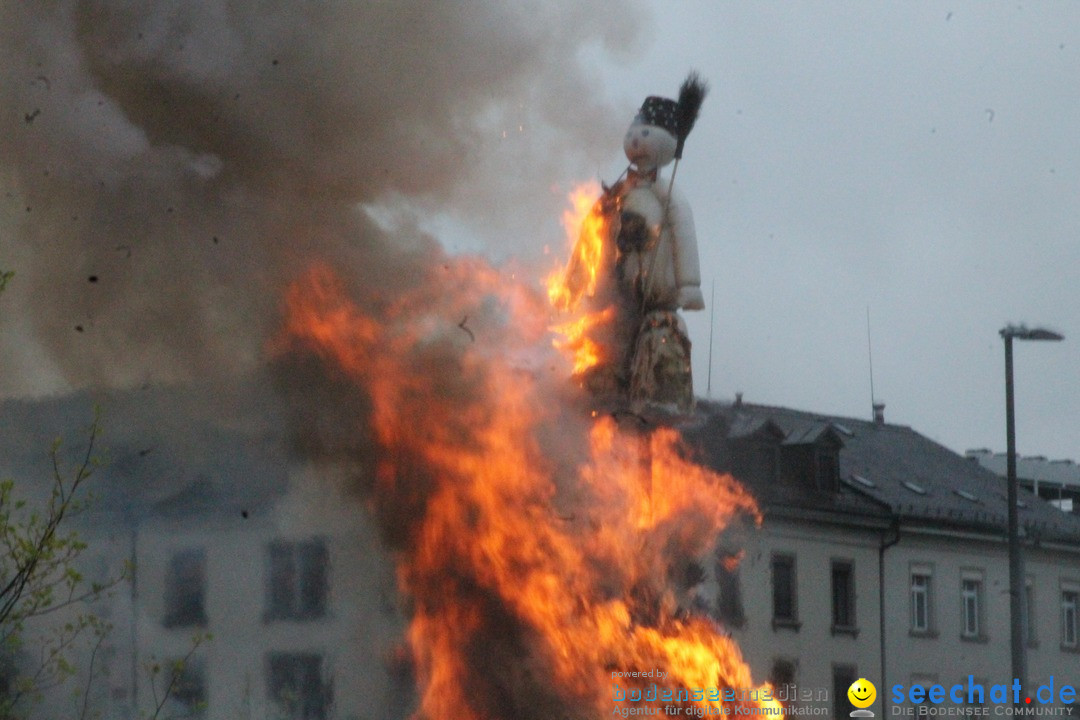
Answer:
(862, 693)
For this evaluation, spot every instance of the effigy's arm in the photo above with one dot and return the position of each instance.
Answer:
(687, 265)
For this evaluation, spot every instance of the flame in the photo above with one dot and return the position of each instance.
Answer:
(587, 232)
(731, 562)
(536, 548)
(578, 342)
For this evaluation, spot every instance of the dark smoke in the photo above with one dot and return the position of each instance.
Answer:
(168, 167)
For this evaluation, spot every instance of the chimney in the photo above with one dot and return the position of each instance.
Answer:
(879, 413)
(738, 399)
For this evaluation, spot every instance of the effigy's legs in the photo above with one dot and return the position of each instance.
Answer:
(660, 376)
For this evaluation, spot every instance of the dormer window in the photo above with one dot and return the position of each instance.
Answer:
(765, 460)
(757, 460)
(812, 457)
(828, 469)
(756, 449)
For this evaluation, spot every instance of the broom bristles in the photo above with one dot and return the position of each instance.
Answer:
(691, 95)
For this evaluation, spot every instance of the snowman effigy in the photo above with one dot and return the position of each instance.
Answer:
(652, 270)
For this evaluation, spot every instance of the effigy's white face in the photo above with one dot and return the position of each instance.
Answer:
(648, 147)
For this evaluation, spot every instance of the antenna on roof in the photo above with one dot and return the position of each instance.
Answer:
(712, 316)
(870, 353)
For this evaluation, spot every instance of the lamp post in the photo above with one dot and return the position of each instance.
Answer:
(1017, 595)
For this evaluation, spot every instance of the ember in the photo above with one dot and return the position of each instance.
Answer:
(538, 548)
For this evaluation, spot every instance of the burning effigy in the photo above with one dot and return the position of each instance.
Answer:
(543, 552)
(635, 265)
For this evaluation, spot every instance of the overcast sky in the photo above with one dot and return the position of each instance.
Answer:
(921, 160)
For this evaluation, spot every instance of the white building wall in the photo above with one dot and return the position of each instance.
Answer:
(1050, 570)
(360, 633)
(944, 656)
(357, 636)
(814, 646)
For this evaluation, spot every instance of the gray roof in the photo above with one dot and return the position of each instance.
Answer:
(743, 426)
(717, 426)
(911, 477)
(181, 451)
(173, 451)
(812, 433)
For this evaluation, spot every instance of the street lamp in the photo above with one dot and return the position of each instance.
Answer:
(1017, 595)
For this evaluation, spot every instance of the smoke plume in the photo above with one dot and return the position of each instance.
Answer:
(172, 169)
(168, 167)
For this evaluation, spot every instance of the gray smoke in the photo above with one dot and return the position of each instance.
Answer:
(167, 167)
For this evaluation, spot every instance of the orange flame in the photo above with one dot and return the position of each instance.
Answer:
(587, 233)
(532, 578)
(586, 351)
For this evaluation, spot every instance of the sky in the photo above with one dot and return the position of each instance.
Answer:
(916, 165)
(917, 162)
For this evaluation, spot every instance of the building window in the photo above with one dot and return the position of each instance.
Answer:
(766, 461)
(920, 600)
(842, 677)
(782, 677)
(828, 471)
(297, 687)
(185, 589)
(971, 601)
(297, 580)
(1069, 600)
(785, 608)
(729, 605)
(183, 688)
(843, 596)
(8, 675)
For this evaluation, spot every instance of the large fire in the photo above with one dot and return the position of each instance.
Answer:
(541, 550)
(587, 230)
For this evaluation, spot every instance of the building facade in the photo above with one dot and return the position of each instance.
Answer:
(259, 589)
(883, 555)
(289, 612)
(254, 587)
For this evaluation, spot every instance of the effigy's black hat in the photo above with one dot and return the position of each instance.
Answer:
(677, 118)
(660, 112)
